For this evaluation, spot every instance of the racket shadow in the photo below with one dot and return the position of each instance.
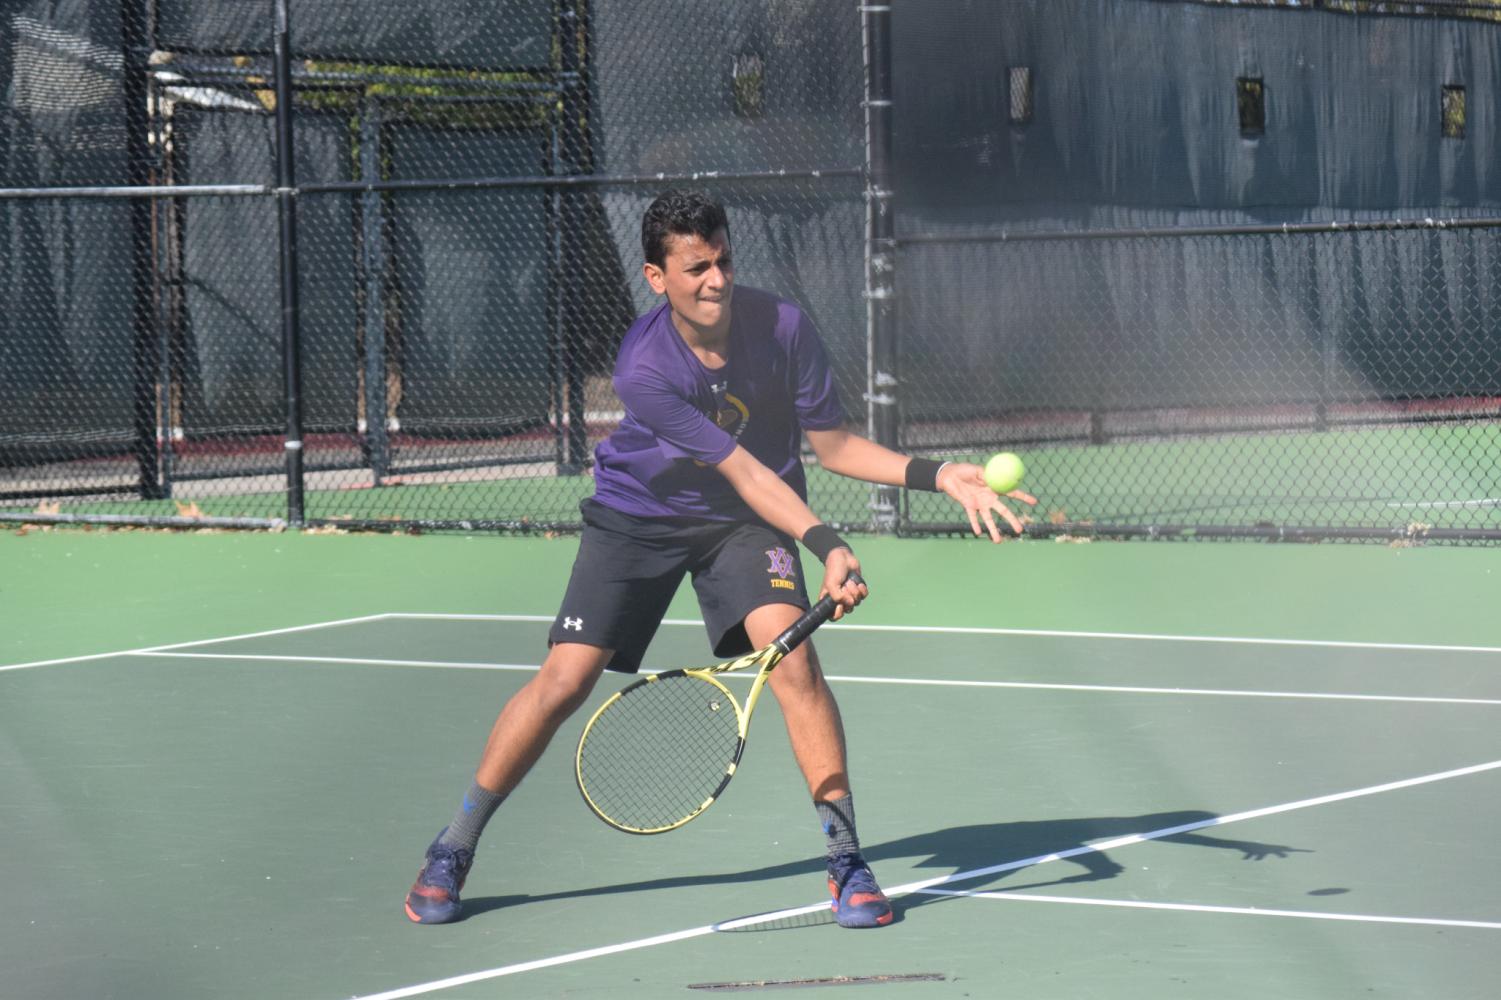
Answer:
(751, 923)
(956, 849)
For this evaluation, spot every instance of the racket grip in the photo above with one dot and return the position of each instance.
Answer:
(810, 620)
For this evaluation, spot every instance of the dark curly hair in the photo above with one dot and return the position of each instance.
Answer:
(679, 213)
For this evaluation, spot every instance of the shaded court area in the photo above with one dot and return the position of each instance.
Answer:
(1081, 770)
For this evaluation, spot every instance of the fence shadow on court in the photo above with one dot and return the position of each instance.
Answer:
(957, 849)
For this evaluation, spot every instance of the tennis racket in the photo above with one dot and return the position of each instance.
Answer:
(659, 752)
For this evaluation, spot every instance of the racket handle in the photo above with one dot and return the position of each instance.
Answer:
(810, 620)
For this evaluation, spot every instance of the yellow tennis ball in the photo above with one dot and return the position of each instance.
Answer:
(1004, 471)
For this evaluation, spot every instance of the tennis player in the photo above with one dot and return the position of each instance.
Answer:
(703, 479)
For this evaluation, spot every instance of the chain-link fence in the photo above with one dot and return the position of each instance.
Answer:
(366, 263)
(1307, 405)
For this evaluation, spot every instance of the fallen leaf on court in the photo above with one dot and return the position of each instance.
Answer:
(48, 508)
(190, 509)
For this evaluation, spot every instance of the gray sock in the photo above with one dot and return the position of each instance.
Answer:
(469, 822)
(838, 819)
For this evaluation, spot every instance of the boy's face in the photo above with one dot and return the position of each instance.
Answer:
(698, 280)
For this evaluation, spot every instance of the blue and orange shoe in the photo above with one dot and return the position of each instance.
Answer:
(858, 901)
(434, 897)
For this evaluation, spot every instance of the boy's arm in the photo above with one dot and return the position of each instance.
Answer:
(778, 505)
(849, 454)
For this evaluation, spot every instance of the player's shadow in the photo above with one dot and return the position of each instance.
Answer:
(1002, 851)
(1007, 852)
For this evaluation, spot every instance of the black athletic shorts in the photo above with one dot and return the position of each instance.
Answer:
(628, 569)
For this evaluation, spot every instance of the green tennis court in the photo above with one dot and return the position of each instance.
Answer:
(1083, 770)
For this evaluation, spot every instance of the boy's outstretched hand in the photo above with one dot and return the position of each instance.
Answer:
(966, 484)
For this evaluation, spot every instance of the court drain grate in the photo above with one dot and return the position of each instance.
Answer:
(793, 984)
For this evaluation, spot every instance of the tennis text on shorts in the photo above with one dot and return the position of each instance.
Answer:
(781, 568)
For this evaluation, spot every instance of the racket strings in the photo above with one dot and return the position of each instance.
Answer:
(652, 757)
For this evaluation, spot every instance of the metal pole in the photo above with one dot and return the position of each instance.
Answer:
(557, 308)
(136, 39)
(1328, 347)
(373, 242)
(286, 204)
(170, 317)
(882, 413)
(572, 21)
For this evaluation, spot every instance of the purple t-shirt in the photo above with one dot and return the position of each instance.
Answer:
(682, 418)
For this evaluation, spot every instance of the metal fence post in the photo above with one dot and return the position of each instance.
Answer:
(572, 158)
(882, 413)
(373, 260)
(150, 399)
(286, 204)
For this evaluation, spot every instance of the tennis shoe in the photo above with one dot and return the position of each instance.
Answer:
(434, 897)
(858, 901)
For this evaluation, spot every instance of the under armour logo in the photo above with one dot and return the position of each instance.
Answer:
(576, 624)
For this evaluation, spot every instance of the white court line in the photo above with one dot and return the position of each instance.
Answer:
(920, 886)
(850, 679)
(1123, 689)
(919, 629)
(145, 650)
(835, 627)
(457, 617)
(70, 659)
(1250, 911)
(362, 661)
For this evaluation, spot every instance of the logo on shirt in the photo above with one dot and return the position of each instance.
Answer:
(730, 413)
(782, 567)
(573, 624)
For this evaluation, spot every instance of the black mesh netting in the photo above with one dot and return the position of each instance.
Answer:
(1221, 268)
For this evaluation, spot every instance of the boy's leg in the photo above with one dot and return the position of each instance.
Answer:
(623, 579)
(521, 733)
(808, 706)
(816, 731)
(528, 721)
